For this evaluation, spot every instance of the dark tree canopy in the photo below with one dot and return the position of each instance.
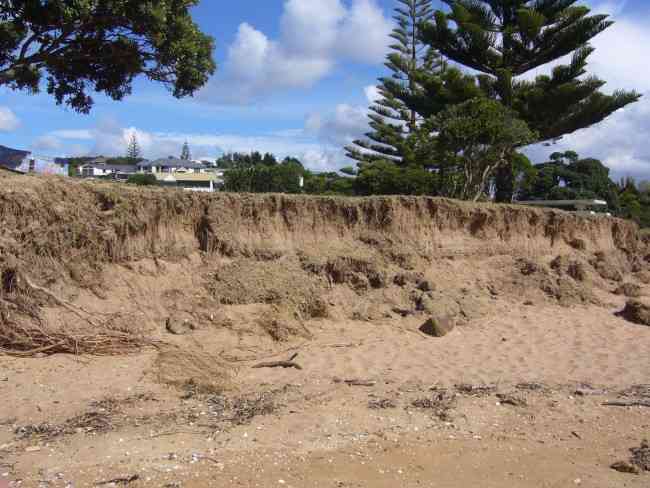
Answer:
(82, 46)
(504, 39)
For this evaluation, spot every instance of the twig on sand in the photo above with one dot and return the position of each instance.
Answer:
(280, 364)
(357, 382)
(119, 481)
(628, 403)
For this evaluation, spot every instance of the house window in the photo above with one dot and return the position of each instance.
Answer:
(32, 165)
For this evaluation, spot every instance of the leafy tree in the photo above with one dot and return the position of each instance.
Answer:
(568, 177)
(269, 160)
(81, 46)
(390, 119)
(475, 139)
(384, 177)
(249, 174)
(330, 183)
(505, 39)
(133, 149)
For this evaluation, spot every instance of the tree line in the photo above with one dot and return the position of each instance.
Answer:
(565, 176)
(453, 115)
(460, 104)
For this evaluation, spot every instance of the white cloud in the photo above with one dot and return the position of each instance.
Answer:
(372, 93)
(47, 143)
(315, 35)
(73, 134)
(365, 33)
(341, 127)
(621, 55)
(8, 120)
(311, 27)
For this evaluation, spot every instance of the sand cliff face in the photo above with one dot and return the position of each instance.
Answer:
(100, 246)
(100, 223)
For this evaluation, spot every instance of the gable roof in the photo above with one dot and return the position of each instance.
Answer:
(123, 168)
(171, 163)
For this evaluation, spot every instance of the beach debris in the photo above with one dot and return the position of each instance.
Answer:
(381, 404)
(509, 399)
(359, 382)
(625, 467)
(119, 481)
(628, 403)
(641, 456)
(290, 363)
(476, 390)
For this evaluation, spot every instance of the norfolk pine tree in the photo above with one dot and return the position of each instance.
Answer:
(506, 39)
(391, 120)
(133, 149)
(185, 152)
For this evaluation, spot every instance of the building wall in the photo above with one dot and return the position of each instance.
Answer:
(42, 165)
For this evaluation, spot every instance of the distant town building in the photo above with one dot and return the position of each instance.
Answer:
(104, 170)
(171, 165)
(26, 162)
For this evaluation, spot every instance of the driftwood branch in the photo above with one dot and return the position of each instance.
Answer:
(290, 363)
(67, 305)
(119, 481)
(628, 403)
(360, 382)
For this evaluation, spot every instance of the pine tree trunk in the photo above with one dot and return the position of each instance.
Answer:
(505, 178)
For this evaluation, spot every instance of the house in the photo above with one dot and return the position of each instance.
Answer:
(26, 162)
(584, 207)
(171, 165)
(100, 169)
(201, 182)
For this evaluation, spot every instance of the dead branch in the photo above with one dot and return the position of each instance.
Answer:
(118, 481)
(357, 382)
(626, 403)
(290, 363)
(60, 301)
(278, 364)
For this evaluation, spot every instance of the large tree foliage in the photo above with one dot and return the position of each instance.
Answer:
(390, 119)
(506, 39)
(474, 140)
(80, 46)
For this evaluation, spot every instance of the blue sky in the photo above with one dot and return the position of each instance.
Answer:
(295, 77)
